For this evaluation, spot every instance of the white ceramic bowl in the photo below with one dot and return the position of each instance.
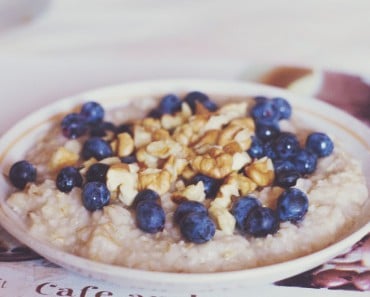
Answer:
(314, 112)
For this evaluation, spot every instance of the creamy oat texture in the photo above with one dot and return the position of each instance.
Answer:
(336, 194)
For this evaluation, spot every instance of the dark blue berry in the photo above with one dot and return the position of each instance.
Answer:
(97, 148)
(261, 221)
(95, 195)
(242, 208)
(124, 128)
(150, 216)
(305, 162)
(283, 165)
(155, 113)
(102, 129)
(169, 104)
(286, 145)
(68, 178)
(320, 144)
(286, 178)
(284, 107)
(197, 227)
(292, 205)
(256, 149)
(265, 112)
(74, 125)
(21, 173)
(267, 132)
(193, 97)
(211, 185)
(93, 112)
(260, 99)
(146, 195)
(129, 159)
(187, 207)
(269, 150)
(97, 172)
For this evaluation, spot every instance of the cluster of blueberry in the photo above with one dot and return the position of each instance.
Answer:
(289, 159)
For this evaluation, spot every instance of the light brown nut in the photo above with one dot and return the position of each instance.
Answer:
(194, 192)
(244, 122)
(225, 194)
(74, 146)
(114, 144)
(116, 175)
(125, 145)
(175, 166)
(209, 137)
(162, 149)
(213, 164)
(144, 157)
(155, 179)
(63, 157)
(245, 185)
(170, 122)
(244, 138)
(183, 134)
(110, 160)
(151, 124)
(188, 172)
(227, 134)
(232, 148)
(234, 110)
(225, 221)
(215, 122)
(240, 160)
(261, 172)
(141, 136)
(186, 111)
(161, 134)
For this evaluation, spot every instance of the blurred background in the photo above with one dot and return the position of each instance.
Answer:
(50, 49)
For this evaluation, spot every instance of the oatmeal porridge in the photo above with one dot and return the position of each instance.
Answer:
(182, 184)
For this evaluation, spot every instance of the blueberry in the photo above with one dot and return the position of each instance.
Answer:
(193, 97)
(97, 148)
(261, 221)
(97, 172)
(187, 207)
(93, 112)
(211, 185)
(242, 208)
(292, 205)
(169, 104)
(265, 112)
(286, 145)
(320, 144)
(68, 178)
(283, 165)
(286, 178)
(125, 128)
(256, 149)
(21, 173)
(150, 216)
(129, 159)
(269, 150)
(95, 195)
(155, 113)
(197, 227)
(285, 109)
(102, 129)
(74, 125)
(267, 132)
(146, 195)
(305, 162)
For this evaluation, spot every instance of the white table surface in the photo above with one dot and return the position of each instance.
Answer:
(52, 49)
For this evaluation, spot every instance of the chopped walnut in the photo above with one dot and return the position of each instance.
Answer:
(164, 148)
(193, 192)
(261, 172)
(175, 166)
(224, 219)
(63, 157)
(141, 136)
(240, 160)
(155, 179)
(125, 145)
(144, 157)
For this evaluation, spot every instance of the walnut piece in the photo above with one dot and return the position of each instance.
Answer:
(261, 172)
